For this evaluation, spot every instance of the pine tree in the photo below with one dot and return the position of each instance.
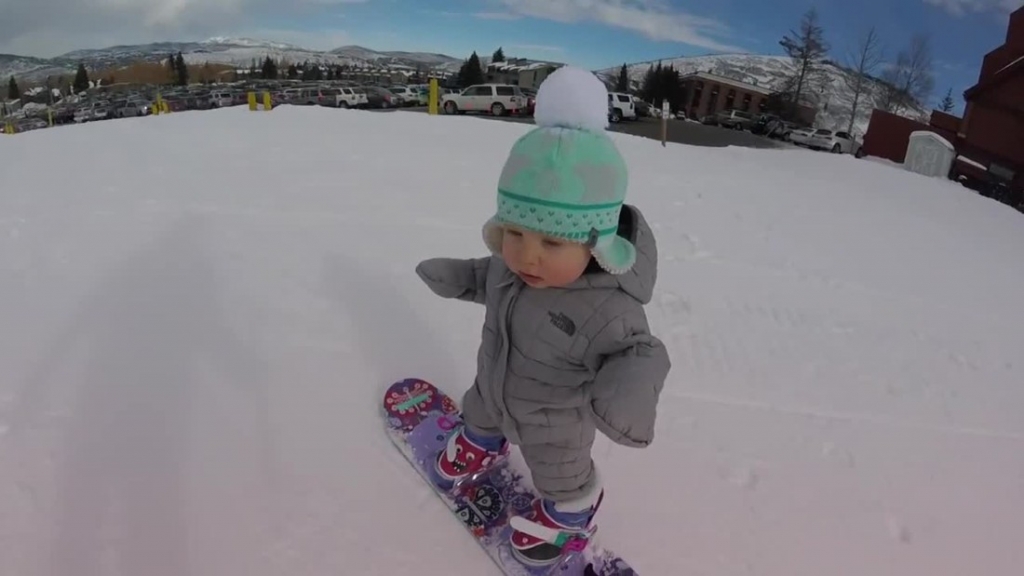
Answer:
(807, 48)
(647, 85)
(947, 105)
(269, 69)
(498, 56)
(13, 92)
(662, 83)
(471, 72)
(182, 70)
(81, 79)
(293, 72)
(622, 84)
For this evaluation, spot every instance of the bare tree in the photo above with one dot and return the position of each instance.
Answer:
(862, 62)
(807, 48)
(910, 80)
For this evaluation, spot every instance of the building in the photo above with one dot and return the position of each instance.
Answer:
(527, 74)
(989, 139)
(707, 94)
(991, 134)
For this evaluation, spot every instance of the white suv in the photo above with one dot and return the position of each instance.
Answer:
(620, 106)
(497, 99)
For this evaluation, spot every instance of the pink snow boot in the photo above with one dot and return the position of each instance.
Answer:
(548, 531)
(465, 459)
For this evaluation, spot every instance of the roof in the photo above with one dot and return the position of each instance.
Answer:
(731, 81)
(519, 65)
(1005, 73)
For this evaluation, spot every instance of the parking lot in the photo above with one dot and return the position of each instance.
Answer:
(679, 131)
(103, 104)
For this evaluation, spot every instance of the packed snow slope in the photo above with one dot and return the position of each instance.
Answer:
(200, 311)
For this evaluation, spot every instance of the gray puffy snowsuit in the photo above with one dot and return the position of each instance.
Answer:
(556, 364)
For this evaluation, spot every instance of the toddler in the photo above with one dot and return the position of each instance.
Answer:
(566, 350)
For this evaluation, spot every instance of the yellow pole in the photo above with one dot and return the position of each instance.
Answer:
(267, 104)
(434, 97)
(252, 101)
(157, 105)
(50, 114)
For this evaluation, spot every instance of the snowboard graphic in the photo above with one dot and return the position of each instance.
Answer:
(419, 420)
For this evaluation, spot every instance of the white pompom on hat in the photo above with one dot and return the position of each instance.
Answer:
(572, 98)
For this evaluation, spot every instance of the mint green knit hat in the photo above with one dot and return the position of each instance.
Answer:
(566, 178)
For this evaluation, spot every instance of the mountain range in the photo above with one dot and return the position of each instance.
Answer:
(221, 50)
(830, 92)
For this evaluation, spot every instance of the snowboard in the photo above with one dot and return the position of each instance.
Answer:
(419, 420)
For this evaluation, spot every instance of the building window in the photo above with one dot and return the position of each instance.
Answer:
(697, 93)
(730, 99)
(713, 100)
(746, 102)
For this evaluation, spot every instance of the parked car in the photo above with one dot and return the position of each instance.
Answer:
(735, 119)
(801, 136)
(835, 142)
(410, 97)
(497, 99)
(644, 109)
(621, 106)
(222, 99)
(378, 97)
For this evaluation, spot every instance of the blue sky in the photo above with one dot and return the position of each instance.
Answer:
(629, 31)
(590, 33)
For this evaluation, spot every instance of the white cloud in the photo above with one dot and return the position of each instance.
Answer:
(53, 27)
(497, 16)
(962, 7)
(654, 19)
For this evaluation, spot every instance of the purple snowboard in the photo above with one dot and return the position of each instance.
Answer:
(419, 420)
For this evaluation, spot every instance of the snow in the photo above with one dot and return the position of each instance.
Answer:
(194, 345)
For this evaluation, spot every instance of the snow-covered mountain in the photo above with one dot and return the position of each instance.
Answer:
(29, 66)
(832, 94)
(218, 50)
(400, 58)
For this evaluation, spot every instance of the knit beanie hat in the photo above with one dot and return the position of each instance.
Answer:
(565, 178)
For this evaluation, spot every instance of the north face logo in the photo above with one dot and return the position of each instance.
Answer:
(563, 322)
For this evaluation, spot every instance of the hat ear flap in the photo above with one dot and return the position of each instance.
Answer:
(493, 234)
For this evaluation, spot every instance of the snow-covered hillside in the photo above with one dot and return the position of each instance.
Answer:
(220, 50)
(193, 349)
(833, 94)
(27, 67)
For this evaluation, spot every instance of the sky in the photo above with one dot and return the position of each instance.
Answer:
(590, 33)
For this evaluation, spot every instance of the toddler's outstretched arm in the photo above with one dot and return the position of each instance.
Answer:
(633, 366)
(456, 278)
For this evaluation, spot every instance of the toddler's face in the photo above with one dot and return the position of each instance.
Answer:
(543, 261)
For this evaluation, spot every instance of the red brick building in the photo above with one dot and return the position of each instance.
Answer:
(989, 139)
(707, 94)
(991, 133)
